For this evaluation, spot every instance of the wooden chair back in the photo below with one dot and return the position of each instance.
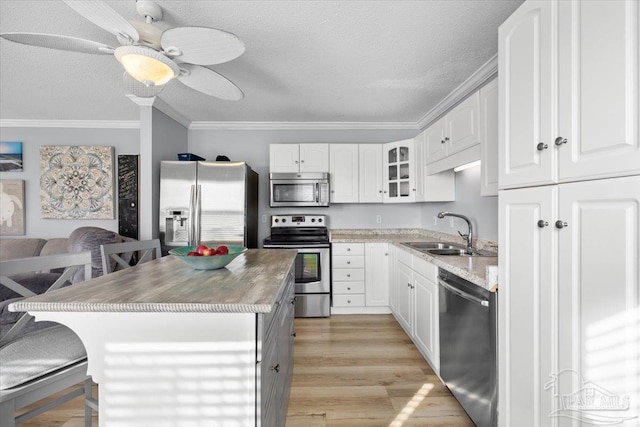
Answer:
(115, 255)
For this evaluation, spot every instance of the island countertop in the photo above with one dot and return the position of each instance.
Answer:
(249, 284)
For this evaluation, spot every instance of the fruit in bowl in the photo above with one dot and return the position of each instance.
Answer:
(203, 257)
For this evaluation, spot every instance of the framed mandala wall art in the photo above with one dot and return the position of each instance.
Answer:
(76, 182)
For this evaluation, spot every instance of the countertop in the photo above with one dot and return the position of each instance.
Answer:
(249, 284)
(473, 269)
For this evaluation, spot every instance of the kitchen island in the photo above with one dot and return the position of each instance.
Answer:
(170, 345)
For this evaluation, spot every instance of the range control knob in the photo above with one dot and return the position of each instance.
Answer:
(313, 220)
(277, 220)
(319, 219)
(284, 220)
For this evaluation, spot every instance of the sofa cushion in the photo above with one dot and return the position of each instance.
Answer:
(90, 239)
(20, 248)
(38, 353)
(36, 282)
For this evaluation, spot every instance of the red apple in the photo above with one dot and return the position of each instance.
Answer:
(222, 250)
(193, 253)
(209, 252)
(200, 249)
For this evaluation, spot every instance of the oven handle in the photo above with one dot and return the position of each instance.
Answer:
(321, 246)
(462, 294)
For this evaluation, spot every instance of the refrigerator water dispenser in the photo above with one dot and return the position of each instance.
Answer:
(177, 227)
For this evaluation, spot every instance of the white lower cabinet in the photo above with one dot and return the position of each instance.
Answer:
(417, 302)
(360, 273)
(569, 299)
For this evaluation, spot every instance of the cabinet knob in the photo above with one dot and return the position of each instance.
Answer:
(294, 335)
(296, 162)
(348, 249)
(408, 285)
(348, 262)
(561, 224)
(542, 224)
(276, 368)
(301, 161)
(414, 189)
(380, 191)
(348, 301)
(442, 141)
(348, 275)
(385, 191)
(446, 138)
(348, 289)
(542, 146)
(560, 140)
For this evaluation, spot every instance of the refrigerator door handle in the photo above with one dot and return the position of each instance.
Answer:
(191, 216)
(197, 214)
(317, 192)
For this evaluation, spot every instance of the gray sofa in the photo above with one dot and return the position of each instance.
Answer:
(81, 239)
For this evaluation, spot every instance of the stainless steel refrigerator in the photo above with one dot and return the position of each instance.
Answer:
(208, 202)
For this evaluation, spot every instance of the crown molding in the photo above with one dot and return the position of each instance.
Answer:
(204, 125)
(77, 124)
(482, 75)
(160, 105)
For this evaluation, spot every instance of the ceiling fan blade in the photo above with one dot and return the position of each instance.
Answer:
(209, 82)
(200, 45)
(54, 41)
(104, 17)
(140, 89)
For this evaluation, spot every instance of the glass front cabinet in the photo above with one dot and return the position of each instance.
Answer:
(399, 172)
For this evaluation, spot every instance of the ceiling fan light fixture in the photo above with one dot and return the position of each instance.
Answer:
(146, 65)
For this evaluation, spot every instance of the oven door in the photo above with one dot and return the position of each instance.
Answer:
(312, 271)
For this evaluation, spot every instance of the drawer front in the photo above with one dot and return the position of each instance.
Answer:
(425, 268)
(404, 257)
(348, 261)
(348, 300)
(348, 275)
(345, 288)
(347, 248)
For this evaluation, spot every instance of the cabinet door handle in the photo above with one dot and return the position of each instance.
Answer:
(542, 223)
(560, 140)
(542, 146)
(276, 368)
(561, 224)
(293, 301)
(294, 335)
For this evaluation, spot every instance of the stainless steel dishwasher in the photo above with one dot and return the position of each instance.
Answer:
(468, 346)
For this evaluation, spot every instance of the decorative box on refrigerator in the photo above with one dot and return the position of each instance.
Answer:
(206, 202)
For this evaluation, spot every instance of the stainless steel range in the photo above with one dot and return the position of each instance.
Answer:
(310, 236)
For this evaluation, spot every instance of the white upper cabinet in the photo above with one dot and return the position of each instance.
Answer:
(440, 187)
(343, 173)
(526, 75)
(399, 172)
(455, 132)
(569, 99)
(370, 173)
(294, 158)
(489, 138)
(598, 89)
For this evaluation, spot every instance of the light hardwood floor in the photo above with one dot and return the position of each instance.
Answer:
(349, 371)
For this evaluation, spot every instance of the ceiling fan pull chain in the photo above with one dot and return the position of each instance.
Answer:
(172, 51)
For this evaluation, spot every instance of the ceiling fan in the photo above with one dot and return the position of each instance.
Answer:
(151, 57)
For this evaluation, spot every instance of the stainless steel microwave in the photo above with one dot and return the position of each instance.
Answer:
(299, 189)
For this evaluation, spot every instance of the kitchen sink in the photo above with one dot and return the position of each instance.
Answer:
(446, 249)
(426, 246)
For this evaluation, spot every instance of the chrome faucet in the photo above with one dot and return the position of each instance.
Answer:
(469, 236)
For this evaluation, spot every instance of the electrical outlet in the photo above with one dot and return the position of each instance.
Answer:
(264, 219)
(435, 220)
(378, 219)
(451, 224)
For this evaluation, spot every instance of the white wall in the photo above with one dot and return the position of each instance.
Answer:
(482, 211)
(253, 147)
(125, 141)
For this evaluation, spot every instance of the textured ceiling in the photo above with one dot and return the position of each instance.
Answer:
(306, 61)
